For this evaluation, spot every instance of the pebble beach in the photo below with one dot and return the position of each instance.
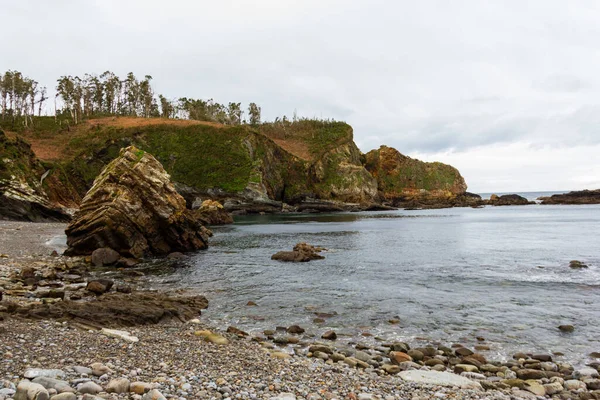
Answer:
(50, 349)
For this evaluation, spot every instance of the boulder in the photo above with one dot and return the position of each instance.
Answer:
(32, 373)
(119, 385)
(89, 388)
(302, 252)
(56, 384)
(329, 335)
(295, 330)
(140, 387)
(134, 209)
(153, 394)
(212, 212)
(99, 286)
(398, 357)
(104, 256)
(27, 390)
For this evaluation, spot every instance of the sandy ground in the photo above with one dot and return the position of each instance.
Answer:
(22, 240)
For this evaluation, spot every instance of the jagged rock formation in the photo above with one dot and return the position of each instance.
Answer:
(134, 209)
(22, 193)
(575, 197)
(406, 182)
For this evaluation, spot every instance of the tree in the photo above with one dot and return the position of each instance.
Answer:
(131, 94)
(234, 111)
(254, 113)
(167, 108)
(147, 96)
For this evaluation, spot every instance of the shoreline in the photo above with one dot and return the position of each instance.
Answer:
(376, 364)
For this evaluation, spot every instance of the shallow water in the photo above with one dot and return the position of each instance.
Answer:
(449, 275)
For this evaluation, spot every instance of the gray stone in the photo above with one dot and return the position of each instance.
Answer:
(585, 373)
(88, 396)
(27, 390)
(82, 370)
(99, 369)
(362, 356)
(51, 383)
(574, 385)
(153, 395)
(523, 395)
(439, 379)
(553, 388)
(7, 392)
(119, 385)
(104, 256)
(64, 396)
(50, 373)
(592, 384)
(89, 388)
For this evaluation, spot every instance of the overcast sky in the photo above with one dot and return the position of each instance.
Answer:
(506, 91)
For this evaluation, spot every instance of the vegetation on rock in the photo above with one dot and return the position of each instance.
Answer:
(401, 178)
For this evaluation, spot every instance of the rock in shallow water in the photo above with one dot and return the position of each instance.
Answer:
(302, 252)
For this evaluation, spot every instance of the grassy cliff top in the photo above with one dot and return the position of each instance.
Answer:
(307, 139)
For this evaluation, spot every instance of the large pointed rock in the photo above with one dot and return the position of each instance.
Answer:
(134, 209)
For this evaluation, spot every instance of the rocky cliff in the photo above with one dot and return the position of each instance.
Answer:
(405, 182)
(283, 166)
(24, 190)
(292, 166)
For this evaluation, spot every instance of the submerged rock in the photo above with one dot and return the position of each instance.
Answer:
(134, 209)
(302, 252)
(577, 264)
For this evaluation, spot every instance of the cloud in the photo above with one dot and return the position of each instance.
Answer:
(427, 77)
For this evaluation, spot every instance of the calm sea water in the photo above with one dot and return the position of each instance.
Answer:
(449, 275)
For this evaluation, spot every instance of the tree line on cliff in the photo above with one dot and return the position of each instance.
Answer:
(78, 98)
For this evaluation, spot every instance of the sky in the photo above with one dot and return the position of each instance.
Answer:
(506, 91)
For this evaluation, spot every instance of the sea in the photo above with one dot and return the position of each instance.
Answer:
(497, 276)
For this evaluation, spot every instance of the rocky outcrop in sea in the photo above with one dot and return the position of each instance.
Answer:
(576, 197)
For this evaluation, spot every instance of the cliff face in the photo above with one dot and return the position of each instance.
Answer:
(251, 169)
(403, 181)
(300, 165)
(25, 192)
